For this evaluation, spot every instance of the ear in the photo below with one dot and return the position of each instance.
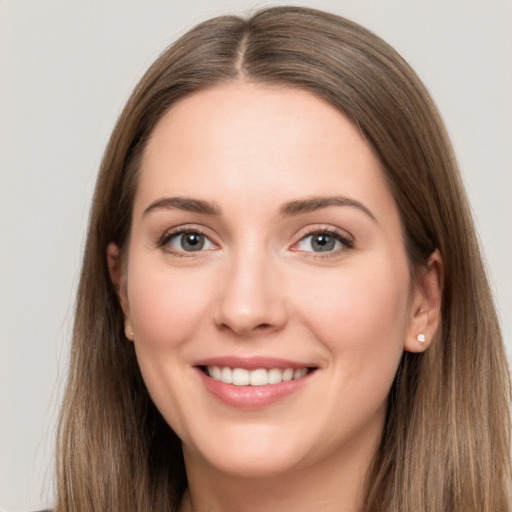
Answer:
(425, 310)
(118, 278)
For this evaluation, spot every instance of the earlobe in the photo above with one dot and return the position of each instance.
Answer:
(115, 269)
(425, 311)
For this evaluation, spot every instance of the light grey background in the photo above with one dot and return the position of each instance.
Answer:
(66, 69)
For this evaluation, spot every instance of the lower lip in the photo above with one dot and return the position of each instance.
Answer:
(251, 397)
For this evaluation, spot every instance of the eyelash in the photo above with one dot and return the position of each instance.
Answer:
(340, 236)
(165, 240)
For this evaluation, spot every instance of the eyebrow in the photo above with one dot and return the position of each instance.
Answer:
(292, 208)
(183, 203)
(311, 204)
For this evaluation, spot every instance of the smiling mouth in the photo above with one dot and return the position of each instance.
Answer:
(257, 377)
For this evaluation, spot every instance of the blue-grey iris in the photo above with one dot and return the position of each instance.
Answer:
(192, 241)
(322, 242)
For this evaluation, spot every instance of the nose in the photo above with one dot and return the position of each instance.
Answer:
(252, 297)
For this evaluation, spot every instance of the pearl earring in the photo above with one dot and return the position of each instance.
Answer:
(421, 338)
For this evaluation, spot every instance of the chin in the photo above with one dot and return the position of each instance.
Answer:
(261, 465)
(256, 454)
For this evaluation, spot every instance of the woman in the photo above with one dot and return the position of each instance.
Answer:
(282, 303)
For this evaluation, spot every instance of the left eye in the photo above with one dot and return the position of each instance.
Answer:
(321, 242)
(189, 241)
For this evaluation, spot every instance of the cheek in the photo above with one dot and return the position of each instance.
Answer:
(166, 306)
(166, 310)
(361, 313)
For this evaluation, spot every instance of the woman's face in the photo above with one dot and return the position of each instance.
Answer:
(266, 246)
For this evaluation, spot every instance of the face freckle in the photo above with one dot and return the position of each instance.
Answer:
(264, 237)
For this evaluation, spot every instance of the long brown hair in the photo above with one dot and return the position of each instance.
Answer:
(445, 445)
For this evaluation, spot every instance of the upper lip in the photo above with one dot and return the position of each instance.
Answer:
(252, 363)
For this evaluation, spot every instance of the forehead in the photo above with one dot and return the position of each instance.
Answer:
(250, 140)
(241, 115)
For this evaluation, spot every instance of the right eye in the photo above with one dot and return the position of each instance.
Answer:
(187, 241)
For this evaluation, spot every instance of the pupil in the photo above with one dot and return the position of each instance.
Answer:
(323, 243)
(192, 241)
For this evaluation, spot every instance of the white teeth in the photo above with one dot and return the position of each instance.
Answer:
(275, 376)
(240, 377)
(226, 375)
(297, 374)
(288, 374)
(258, 377)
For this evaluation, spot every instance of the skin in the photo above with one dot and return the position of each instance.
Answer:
(260, 288)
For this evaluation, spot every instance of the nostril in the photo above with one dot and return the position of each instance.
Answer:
(263, 326)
